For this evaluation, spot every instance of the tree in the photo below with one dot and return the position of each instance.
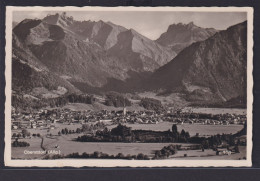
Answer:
(86, 127)
(236, 149)
(187, 134)
(174, 129)
(16, 143)
(66, 131)
(117, 100)
(78, 130)
(183, 133)
(146, 157)
(121, 130)
(106, 132)
(120, 155)
(157, 154)
(25, 133)
(231, 141)
(238, 142)
(151, 104)
(97, 154)
(205, 144)
(140, 156)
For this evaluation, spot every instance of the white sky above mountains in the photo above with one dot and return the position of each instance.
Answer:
(149, 24)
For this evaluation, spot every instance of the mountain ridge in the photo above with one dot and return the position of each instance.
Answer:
(178, 36)
(77, 50)
(214, 69)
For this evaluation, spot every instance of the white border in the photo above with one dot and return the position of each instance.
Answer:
(128, 163)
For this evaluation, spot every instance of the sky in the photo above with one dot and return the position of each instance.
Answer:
(148, 23)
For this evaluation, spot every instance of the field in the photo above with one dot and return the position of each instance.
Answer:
(68, 146)
(41, 91)
(35, 145)
(44, 131)
(209, 155)
(203, 130)
(215, 110)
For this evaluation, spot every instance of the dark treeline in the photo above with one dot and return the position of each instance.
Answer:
(23, 134)
(17, 143)
(122, 133)
(19, 102)
(166, 151)
(242, 131)
(28, 103)
(214, 141)
(151, 104)
(117, 100)
(226, 140)
(112, 99)
(67, 131)
(71, 98)
(100, 155)
(86, 128)
(199, 116)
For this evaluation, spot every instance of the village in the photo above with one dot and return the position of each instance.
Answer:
(45, 118)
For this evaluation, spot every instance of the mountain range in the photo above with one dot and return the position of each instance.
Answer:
(89, 52)
(210, 70)
(87, 56)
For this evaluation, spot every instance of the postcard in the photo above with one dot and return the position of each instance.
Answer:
(128, 86)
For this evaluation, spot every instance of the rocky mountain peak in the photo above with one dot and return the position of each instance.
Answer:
(178, 36)
(181, 26)
(59, 19)
(190, 23)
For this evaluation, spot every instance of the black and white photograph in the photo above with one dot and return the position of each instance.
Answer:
(128, 86)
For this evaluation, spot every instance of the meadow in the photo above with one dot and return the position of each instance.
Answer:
(236, 111)
(67, 146)
(208, 155)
